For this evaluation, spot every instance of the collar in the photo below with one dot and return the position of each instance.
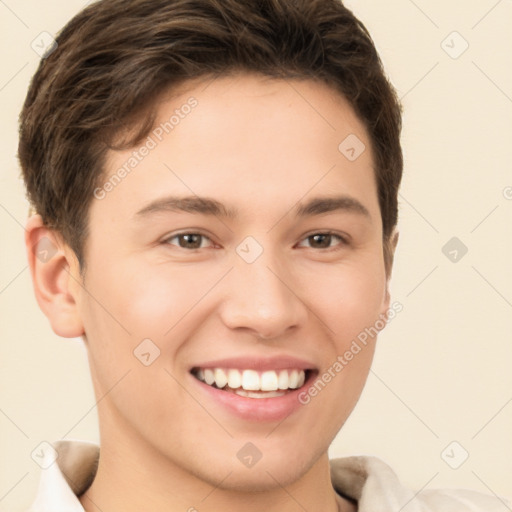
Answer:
(67, 477)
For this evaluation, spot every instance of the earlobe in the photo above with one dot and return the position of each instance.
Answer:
(54, 271)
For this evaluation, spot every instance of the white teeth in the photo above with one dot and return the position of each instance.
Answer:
(245, 381)
(252, 394)
(250, 380)
(234, 379)
(209, 376)
(221, 378)
(282, 382)
(268, 381)
(293, 379)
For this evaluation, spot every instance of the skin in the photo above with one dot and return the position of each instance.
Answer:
(258, 145)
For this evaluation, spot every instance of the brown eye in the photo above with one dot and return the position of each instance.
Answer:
(188, 240)
(324, 240)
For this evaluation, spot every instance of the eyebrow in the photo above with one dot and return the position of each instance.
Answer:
(209, 206)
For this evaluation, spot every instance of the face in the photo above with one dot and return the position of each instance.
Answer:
(216, 255)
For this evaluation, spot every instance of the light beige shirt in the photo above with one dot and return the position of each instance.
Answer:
(367, 480)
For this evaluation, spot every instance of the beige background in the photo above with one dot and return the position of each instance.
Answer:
(442, 369)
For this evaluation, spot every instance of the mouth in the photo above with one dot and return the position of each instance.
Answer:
(254, 388)
(251, 383)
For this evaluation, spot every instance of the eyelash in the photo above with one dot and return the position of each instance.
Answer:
(343, 240)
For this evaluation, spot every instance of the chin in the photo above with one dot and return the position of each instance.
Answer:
(264, 479)
(268, 473)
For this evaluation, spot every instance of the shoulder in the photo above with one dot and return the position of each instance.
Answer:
(376, 487)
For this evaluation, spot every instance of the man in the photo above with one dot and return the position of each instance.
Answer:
(216, 183)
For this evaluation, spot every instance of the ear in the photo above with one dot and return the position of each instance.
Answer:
(55, 277)
(389, 253)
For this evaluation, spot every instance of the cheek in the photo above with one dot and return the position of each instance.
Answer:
(161, 300)
(350, 305)
(349, 300)
(149, 298)
(124, 306)
(143, 305)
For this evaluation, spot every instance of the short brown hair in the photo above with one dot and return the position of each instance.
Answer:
(116, 56)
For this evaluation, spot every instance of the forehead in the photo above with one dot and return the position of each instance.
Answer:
(256, 101)
(249, 139)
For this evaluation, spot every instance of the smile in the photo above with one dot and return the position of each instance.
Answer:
(251, 383)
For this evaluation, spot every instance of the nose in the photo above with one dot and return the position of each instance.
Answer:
(263, 298)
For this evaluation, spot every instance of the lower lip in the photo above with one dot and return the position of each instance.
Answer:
(256, 409)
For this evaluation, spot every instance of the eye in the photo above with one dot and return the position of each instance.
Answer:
(323, 240)
(188, 240)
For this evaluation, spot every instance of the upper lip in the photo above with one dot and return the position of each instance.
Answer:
(259, 363)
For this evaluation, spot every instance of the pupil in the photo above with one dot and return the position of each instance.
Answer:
(189, 239)
(325, 237)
